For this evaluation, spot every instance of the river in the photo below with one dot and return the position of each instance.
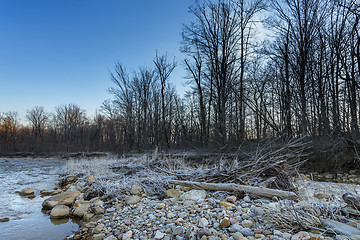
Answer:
(27, 222)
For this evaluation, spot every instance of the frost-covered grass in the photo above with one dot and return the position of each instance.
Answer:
(115, 176)
(92, 167)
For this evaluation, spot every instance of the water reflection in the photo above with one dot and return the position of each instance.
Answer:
(27, 221)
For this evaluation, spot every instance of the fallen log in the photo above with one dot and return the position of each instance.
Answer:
(352, 200)
(341, 228)
(260, 191)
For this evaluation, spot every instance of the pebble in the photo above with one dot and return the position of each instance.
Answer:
(247, 199)
(5, 219)
(231, 199)
(203, 222)
(127, 235)
(203, 232)
(237, 236)
(111, 237)
(247, 223)
(226, 204)
(159, 235)
(224, 223)
(301, 236)
(160, 206)
(247, 232)
(99, 236)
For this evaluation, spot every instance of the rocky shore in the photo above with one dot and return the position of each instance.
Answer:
(192, 214)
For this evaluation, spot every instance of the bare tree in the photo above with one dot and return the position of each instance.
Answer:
(164, 68)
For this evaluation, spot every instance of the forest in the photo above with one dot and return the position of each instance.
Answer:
(256, 69)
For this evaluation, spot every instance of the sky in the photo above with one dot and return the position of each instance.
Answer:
(56, 52)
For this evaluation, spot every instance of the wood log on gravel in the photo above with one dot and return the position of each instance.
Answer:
(260, 191)
(352, 200)
(341, 228)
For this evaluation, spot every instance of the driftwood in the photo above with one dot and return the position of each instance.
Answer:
(260, 191)
(352, 200)
(341, 228)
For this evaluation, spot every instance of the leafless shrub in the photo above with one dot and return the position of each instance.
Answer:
(303, 215)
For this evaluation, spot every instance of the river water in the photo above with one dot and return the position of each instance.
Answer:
(27, 221)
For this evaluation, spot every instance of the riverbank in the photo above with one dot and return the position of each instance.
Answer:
(21, 216)
(133, 198)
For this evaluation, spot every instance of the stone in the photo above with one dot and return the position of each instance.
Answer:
(301, 236)
(226, 204)
(27, 192)
(286, 235)
(278, 233)
(88, 216)
(177, 230)
(224, 223)
(99, 236)
(5, 219)
(235, 228)
(159, 235)
(160, 206)
(322, 196)
(193, 195)
(67, 180)
(258, 231)
(60, 211)
(247, 199)
(91, 179)
(127, 235)
(65, 198)
(81, 210)
(237, 236)
(45, 193)
(247, 223)
(171, 193)
(261, 236)
(111, 237)
(170, 215)
(136, 189)
(203, 232)
(99, 228)
(203, 222)
(259, 211)
(56, 191)
(132, 199)
(97, 210)
(231, 199)
(247, 232)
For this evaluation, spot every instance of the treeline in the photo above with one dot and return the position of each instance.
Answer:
(300, 78)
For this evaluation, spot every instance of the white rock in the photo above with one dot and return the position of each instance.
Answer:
(247, 199)
(203, 222)
(193, 195)
(159, 235)
(127, 235)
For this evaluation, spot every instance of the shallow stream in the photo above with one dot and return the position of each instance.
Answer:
(27, 221)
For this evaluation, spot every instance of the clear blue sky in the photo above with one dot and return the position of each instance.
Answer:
(55, 52)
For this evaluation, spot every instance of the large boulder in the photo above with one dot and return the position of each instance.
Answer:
(65, 198)
(60, 211)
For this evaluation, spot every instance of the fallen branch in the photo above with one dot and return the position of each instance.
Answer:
(340, 227)
(260, 191)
